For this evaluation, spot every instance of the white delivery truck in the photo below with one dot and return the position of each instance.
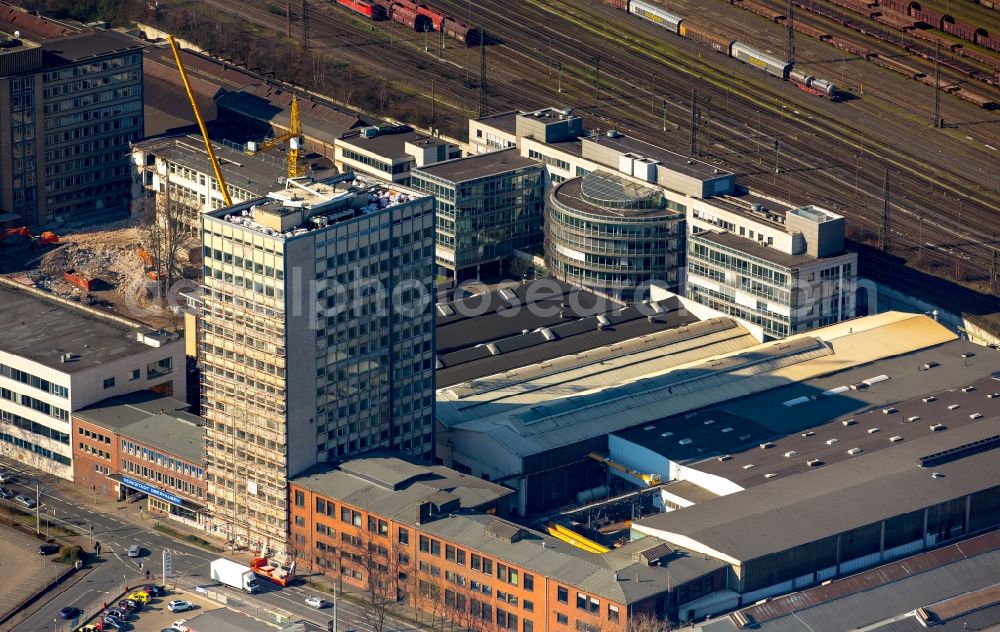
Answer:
(235, 575)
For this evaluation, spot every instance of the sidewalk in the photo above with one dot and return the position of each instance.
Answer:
(136, 514)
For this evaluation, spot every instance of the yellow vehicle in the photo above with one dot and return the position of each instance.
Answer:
(90, 627)
(139, 596)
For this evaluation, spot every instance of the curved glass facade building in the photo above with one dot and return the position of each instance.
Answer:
(613, 234)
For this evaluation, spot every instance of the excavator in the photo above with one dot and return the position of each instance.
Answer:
(46, 238)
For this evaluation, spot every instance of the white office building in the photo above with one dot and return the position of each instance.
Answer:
(56, 358)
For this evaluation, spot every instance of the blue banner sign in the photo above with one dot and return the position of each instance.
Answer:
(152, 491)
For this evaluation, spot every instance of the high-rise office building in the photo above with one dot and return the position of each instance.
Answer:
(488, 205)
(316, 341)
(70, 103)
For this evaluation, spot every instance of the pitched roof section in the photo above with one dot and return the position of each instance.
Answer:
(796, 510)
(613, 575)
(533, 322)
(673, 377)
(391, 485)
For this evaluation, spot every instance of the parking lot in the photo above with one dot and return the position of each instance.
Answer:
(155, 616)
(19, 558)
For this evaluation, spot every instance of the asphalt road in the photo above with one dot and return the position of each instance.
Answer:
(115, 532)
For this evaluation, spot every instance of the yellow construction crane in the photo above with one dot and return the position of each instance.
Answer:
(201, 122)
(294, 138)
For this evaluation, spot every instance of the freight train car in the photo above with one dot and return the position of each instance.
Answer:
(410, 18)
(469, 35)
(768, 63)
(653, 13)
(715, 42)
(365, 8)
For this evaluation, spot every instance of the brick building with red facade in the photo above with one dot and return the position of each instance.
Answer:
(431, 536)
(142, 443)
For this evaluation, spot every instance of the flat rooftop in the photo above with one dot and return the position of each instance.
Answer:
(749, 204)
(587, 194)
(524, 325)
(673, 161)
(503, 121)
(86, 45)
(819, 503)
(864, 432)
(753, 248)
(258, 174)
(307, 205)
(391, 146)
(479, 166)
(43, 330)
(696, 435)
(820, 406)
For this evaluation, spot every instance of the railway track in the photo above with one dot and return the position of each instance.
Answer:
(831, 163)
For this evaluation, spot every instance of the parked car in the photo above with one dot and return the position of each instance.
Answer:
(180, 605)
(316, 602)
(70, 612)
(180, 624)
(121, 614)
(154, 590)
(112, 623)
(129, 605)
(90, 627)
(25, 501)
(5, 493)
(134, 550)
(6, 478)
(139, 597)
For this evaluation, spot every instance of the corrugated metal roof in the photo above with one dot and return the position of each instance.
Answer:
(788, 512)
(881, 576)
(587, 403)
(613, 575)
(885, 607)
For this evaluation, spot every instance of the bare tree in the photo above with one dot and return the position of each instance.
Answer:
(645, 622)
(164, 231)
(385, 576)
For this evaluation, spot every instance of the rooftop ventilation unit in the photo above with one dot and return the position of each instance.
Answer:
(888, 411)
(937, 427)
(855, 451)
(954, 406)
(992, 395)
(832, 441)
(964, 450)
(895, 439)
(685, 442)
(726, 430)
(975, 416)
(848, 422)
(724, 457)
(790, 454)
(814, 463)
(808, 433)
(929, 399)
(748, 466)
(968, 389)
(873, 430)
(770, 475)
(766, 445)
(913, 418)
